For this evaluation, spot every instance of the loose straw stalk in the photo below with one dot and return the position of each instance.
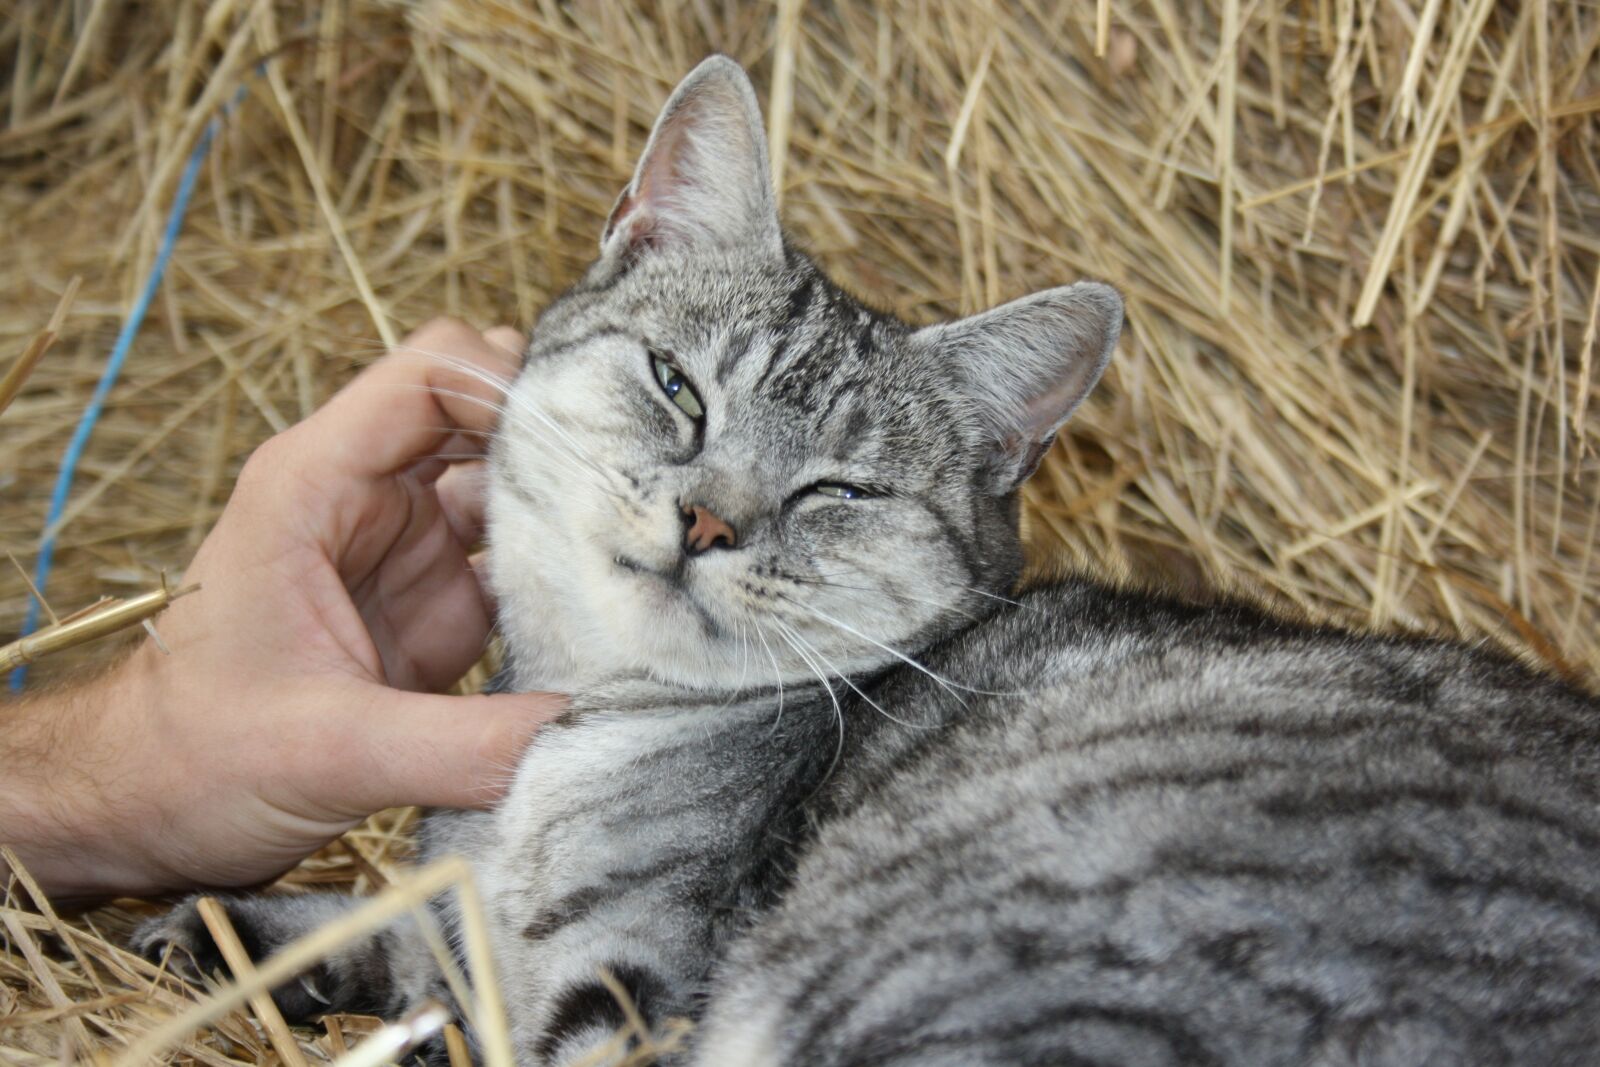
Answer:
(91, 624)
(17, 374)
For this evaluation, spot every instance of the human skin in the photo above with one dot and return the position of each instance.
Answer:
(301, 693)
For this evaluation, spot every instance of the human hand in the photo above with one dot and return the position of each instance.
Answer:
(336, 596)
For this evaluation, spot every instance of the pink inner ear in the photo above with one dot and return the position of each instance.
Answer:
(626, 205)
(638, 216)
(1026, 453)
(634, 223)
(1042, 414)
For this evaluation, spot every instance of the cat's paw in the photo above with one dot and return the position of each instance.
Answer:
(182, 939)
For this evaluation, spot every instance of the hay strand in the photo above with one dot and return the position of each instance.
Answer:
(215, 916)
(11, 384)
(97, 621)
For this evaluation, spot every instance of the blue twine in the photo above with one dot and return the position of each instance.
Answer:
(108, 378)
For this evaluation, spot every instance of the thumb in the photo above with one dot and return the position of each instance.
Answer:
(445, 751)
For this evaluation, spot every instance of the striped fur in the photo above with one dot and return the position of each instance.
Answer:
(1195, 836)
(831, 792)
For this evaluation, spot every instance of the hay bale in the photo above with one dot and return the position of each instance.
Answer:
(1358, 243)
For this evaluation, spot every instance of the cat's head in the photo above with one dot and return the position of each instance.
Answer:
(716, 467)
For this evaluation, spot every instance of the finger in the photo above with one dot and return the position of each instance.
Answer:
(463, 492)
(444, 378)
(460, 447)
(479, 562)
(443, 751)
(509, 339)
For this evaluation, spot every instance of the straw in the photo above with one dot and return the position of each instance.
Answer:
(1358, 242)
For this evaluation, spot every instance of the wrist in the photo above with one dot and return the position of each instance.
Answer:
(66, 781)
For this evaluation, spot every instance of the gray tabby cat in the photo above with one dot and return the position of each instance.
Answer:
(829, 790)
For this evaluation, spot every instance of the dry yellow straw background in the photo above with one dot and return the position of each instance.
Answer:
(1360, 241)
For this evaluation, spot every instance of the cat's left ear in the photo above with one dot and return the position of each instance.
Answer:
(1029, 364)
(703, 181)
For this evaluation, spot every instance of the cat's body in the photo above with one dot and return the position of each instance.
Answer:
(829, 790)
(1189, 836)
(1129, 831)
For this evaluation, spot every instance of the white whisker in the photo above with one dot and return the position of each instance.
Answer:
(521, 404)
(884, 592)
(846, 680)
(575, 463)
(786, 633)
(777, 675)
(744, 659)
(499, 409)
(505, 388)
(997, 596)
(948, 685)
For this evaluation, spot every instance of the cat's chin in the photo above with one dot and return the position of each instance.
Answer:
(668, 595)
(658, 625)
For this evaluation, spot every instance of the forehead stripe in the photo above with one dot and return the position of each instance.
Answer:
(840, 391)
(969, 562)
(737, 347)
(799, 302)
(606, 330)
(800, 299)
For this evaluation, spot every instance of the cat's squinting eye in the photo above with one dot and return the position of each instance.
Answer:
(840, 490)
(677, 387)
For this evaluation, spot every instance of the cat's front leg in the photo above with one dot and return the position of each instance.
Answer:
(632, 847)
(602, 982)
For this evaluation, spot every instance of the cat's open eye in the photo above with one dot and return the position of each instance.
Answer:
(840, 490)
(677, 387)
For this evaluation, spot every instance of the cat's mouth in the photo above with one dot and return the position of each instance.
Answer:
(671, 585)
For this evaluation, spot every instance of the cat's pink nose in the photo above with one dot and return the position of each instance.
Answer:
(706, 530)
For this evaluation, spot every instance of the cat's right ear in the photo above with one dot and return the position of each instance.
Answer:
(1027, 365)
(703, 181)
